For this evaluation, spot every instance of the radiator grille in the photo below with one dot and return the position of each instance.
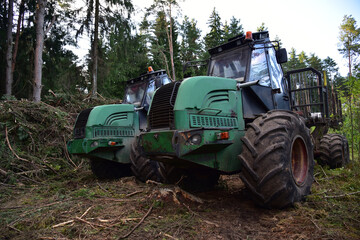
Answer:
(79, 129)
(161, 114)
(112, 132)
(212, 121)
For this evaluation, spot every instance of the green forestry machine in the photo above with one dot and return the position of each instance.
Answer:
(104, 134)
(245, 117)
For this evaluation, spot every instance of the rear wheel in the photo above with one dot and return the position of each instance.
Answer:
(106, 169)
(334, 151)
(277, 159)
(192, 179)
(143, 168)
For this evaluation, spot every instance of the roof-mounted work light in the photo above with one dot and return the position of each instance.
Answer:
(248, 36)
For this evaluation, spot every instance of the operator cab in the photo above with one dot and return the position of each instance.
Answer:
(139, 91)
(253, 58)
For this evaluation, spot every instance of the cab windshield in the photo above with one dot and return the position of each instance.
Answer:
(230, 65)
(135, 93)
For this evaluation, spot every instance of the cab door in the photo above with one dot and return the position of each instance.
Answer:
(258, 98)
(278, 82)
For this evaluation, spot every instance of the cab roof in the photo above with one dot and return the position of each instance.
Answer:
(240, 40)
(146, 76)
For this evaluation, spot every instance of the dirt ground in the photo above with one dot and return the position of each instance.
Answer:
(86, 208)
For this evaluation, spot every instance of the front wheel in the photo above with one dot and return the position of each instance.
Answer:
(143, 168)
(277, 159)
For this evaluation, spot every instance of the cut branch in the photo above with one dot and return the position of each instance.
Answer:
(132, 194)
(62, 224)
(68, 156)
(137, 225)
(11, 149)
(343, 195)
(169, 236)
(50, 25)
(3, 172)
(87, 210)
(87, 222)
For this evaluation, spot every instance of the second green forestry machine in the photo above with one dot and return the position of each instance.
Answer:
(245, 117)
(104, 134)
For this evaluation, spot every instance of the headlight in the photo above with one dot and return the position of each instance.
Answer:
(94, 144)
(195, 139)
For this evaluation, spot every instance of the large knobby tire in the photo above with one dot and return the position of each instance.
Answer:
(192, 179)
(106, 169)
(334, 151)
(277, 159)
(143, 168)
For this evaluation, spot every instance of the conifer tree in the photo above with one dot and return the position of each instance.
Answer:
(216, 35)
(350, 48)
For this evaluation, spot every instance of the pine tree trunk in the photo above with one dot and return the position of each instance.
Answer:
(171, 47)
(352, 127)
(16, 45)
(9, 78)
(38, 61)
(95, 51)
(165, 61)
(351, 113)
(358, 125)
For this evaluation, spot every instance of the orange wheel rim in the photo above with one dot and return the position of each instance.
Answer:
(299, 161)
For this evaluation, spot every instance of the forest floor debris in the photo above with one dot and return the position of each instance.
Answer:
(82, 207)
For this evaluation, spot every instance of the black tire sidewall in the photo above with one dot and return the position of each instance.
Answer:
(142, 167)
(334, 151)
(346, 150)
(266, 159)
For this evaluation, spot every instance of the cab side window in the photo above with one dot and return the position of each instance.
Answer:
(275, 71)
(259, 67)
(149, 93)
(165, 80)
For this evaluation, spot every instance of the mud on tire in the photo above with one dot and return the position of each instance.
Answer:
(106, 169)
(143, 168)
(277, 159)
(334, 151)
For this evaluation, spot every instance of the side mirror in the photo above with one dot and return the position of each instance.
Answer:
(281, 56)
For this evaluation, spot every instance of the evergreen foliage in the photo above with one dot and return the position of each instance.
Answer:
(216, 35)
(349, 37)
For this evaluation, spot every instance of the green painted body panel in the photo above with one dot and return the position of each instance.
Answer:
(200, 92)
(117, 123)
(212, 100)
(175, 147)
(112, 115)
(204, 106)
